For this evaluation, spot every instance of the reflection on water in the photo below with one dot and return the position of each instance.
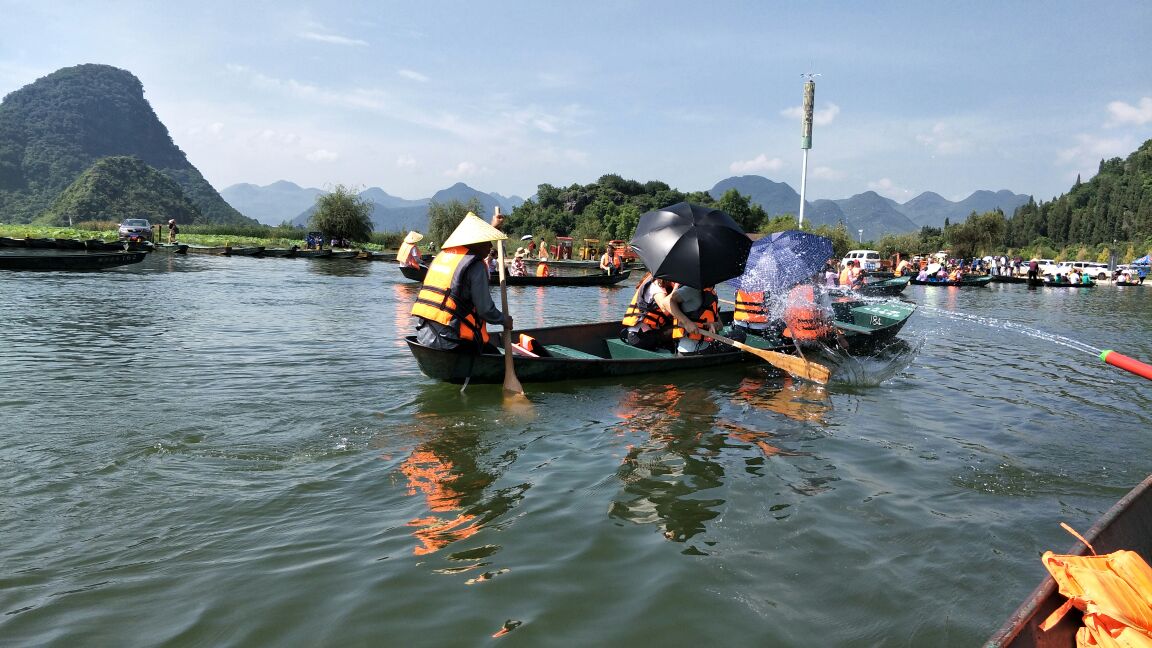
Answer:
(340, 267)
(450, 470)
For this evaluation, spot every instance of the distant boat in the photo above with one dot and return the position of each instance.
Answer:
(1038, 283)
(969, 281)
(65, 261)
(226, 250)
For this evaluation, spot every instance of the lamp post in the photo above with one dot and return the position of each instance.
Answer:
(861, 232)
(806, 137)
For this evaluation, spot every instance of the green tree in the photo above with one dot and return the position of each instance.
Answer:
(343, 214)
(444, 217)
(748, 216)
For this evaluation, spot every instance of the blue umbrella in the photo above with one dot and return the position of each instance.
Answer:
(782, 260)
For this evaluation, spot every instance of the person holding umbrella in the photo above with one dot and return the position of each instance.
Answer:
(454, 301)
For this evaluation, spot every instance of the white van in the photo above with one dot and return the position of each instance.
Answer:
(869, 259)
(1092, 269)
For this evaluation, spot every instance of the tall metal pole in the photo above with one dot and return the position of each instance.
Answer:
(806, 139)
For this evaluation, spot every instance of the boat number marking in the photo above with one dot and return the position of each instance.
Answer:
(876, 321)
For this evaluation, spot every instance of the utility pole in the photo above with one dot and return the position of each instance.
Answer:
(806, 137)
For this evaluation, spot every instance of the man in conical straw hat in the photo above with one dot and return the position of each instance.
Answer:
(409, 254)
(454, 303)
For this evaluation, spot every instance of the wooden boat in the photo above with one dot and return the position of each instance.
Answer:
(1037, 283)
(7, 241)
(885, 287)
(313, 254)
(586, 351)
(174, 248)
(1127, 525)
(417, 274)
(344, 254)
(65, 261)
(281, 252)
(70, 244)
(226, 250)
(1009, 279)
(969, 281)
(1129, 283)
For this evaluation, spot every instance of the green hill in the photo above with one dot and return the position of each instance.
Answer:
(54, 129)
(121, 187)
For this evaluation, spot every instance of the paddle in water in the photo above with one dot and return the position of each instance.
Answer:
(511, 382)
(798, 367)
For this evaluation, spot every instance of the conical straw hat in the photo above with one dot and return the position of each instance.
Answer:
(413, 237)
(473, 230)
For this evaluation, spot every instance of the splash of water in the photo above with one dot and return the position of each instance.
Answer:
(992, 322)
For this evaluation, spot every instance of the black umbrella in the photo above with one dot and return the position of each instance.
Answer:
(691, 244)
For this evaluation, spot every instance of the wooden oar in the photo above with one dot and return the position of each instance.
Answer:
(798, 367)
(511, 382)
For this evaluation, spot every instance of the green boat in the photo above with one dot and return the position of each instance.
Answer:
(965, 282)
(587, 351)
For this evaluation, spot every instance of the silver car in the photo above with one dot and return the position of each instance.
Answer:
(135, 229)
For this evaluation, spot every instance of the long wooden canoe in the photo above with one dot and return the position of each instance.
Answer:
(1041, 283)
(585, 351)
(1009, 279)
(1129, 283)
(885, 287)
(1127, 525)
(594, 279)
(64, 261)
(963, 283)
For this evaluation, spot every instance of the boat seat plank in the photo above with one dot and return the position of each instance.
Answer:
(621, 350)
(561, 351)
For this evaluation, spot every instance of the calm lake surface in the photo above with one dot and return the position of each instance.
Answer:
(211, 451)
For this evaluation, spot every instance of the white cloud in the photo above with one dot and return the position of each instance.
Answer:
(413, 75)
(943, 140)
(1125, 113)
(827, 173)
(405, 161)
(321, 155)
(1091, 149)
(759, 163)
(821, 117)
(885, 187)
(462, 170)
(333, 39)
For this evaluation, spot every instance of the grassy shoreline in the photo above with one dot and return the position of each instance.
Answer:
(194, 237)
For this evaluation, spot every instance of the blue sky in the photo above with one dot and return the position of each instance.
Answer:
(415, 96)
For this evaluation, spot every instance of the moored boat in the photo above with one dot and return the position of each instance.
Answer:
(1127, 525)
(885, 287)
(69, 261)
(1038, 283)
(970, 281)
(226, 250)
(313, 254)
(1009, 279)
(1129, 283)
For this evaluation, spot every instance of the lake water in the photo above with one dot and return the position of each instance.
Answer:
(209, 451)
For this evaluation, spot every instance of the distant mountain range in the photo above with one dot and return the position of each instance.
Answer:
(285, 201)
(869, 211)
(876, 215)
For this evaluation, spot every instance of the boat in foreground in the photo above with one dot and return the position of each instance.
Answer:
(593, 279)
(69, 262)
(981, 280)
(1127, 525)
(1043, 283)
(584, 351)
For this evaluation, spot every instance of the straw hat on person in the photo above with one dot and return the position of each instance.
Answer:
(473, 230)
(413, 238)
(521, 253)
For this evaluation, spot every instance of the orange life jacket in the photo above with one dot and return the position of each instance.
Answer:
(542, 269)
(750, 308)
(644, 311)
(803, 316)
(440, 297)
(708, 312)
(1113, 592)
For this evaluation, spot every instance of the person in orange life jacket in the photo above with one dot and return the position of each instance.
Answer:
(852, 276)
(542, 266)
(808, 316)
(606, 262)
(693, 309)
(751, 315)
(454, 302)
(647, 322)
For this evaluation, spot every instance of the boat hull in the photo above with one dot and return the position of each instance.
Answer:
(69, 262)
(1127, 525)
(963, 283)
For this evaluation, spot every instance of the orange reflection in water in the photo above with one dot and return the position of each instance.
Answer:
(432, 476)
(799, 400)
(403, 296)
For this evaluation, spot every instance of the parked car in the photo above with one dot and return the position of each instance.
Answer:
(1098, 271)
(869, 259)
(135, 229)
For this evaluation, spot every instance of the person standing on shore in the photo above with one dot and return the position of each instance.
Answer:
(173, 230)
